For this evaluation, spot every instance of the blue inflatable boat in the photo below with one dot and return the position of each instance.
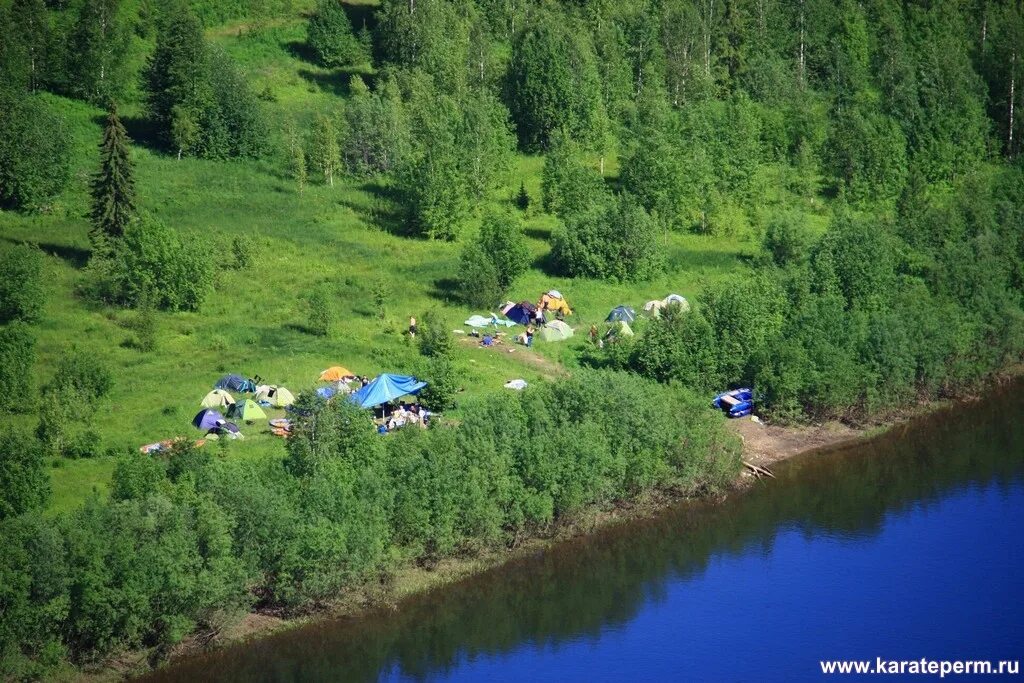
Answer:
(735, 403)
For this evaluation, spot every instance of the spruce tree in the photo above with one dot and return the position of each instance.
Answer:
(113, 187)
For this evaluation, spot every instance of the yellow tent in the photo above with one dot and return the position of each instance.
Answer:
(555, 304)
(218, 398)
(335, 374)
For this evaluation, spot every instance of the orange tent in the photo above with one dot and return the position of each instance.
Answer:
(335, 374)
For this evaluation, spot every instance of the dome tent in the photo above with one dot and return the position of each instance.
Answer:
(555, 331)
(207, 419)
(621, 313)
(521, 313)
(218, 398)
(278, 397)
(247, 410)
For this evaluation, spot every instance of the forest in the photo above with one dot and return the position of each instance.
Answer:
(191, 187)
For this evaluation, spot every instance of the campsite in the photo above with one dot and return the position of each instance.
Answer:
(316, 304)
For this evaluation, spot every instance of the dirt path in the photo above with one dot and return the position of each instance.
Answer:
(547, 367)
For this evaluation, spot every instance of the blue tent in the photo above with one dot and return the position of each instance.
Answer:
(521, 312)
(325, 393)
(386, 388)
(621, 314)
(235, 383)
(207, 419)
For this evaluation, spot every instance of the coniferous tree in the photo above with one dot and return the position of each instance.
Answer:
(113, 186)
(177, 80)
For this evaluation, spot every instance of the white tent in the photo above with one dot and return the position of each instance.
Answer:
(279, 397)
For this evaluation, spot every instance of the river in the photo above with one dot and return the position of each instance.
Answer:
(909, 546)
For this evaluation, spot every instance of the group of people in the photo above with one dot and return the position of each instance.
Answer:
(405, 414)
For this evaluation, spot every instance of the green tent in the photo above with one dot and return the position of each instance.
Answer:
(555, 331)
(247, 410)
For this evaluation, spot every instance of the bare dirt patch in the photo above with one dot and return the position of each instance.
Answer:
(547, 367)
(765, 444)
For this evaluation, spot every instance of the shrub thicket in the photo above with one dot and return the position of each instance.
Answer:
(185, 544)
(17, 358)
(34, 152)
(618, 241)
(21, 283)
(175, 268)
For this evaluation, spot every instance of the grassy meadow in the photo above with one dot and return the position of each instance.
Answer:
(348, 236)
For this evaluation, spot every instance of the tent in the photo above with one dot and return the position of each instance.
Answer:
(654, 307)
(335, 373)
(247, 410)
(279, 397)
(386, 387)
(326, 393)
(218, 398)
(228, 428)
(555, 331)
(621, 313)
(207, 419)
(676, 299)
(235, 383)
(619, 328)
(521, 312)
(555, 304)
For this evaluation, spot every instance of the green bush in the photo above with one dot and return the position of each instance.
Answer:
(17, 358)
(619, 242)
(787, 238)
(489, 265)
(320, 314)
(478, 277)
(136, 477)
(21, 284)
(175, 268)
(34, 152)
(434, 337)
(330, 36)
(442, 383)
(24, 479)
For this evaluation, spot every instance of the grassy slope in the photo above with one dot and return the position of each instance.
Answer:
(252, 323)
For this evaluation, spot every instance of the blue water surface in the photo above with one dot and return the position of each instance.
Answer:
(941, 580)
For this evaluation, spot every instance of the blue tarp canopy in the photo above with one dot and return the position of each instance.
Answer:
(386, 387)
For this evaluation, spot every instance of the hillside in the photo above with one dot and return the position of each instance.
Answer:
(252, 324)
(271, 189)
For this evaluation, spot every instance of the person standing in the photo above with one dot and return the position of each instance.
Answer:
(529, 336)
(412, 327)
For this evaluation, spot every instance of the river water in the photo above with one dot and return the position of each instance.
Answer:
(908, 546)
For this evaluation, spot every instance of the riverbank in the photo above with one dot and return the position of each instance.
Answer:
(762, 444)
